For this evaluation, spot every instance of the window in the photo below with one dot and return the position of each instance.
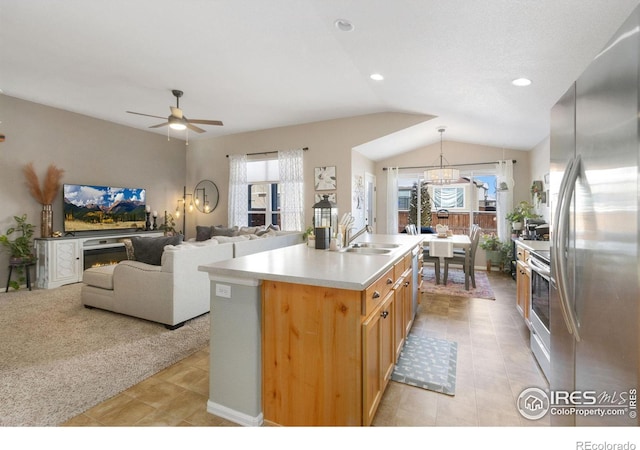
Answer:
(264, 204)
(404, 199)
(448, 197)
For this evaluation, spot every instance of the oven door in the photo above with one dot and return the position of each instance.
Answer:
(539, 314)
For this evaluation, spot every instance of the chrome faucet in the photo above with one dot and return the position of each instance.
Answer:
(366, 229)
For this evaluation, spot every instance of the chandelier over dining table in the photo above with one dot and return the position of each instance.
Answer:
(442, 174)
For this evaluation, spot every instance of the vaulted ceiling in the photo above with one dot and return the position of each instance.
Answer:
(257, 64)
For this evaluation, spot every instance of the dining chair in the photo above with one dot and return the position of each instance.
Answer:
(435, 260)
(459, 260)
(474, 229)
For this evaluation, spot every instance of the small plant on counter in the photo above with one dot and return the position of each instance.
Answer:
(308, 232)
(524, 210)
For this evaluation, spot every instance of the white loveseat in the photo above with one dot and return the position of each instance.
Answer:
(174, 291)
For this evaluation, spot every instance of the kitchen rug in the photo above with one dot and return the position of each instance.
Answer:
(428, 363)
(455, 284)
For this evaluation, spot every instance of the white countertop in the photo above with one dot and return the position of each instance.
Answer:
(533, 245)
(302, 264)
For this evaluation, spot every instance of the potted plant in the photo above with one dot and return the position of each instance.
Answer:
(524, 210)
(498, 252)
(21, 247)
(169, 225)
(492, 245)
(309, 236)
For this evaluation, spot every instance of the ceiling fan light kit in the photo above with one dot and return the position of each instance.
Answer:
(177, 120)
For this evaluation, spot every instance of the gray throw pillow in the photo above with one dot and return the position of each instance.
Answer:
(149, 249)
(223, 231)
(203, 233)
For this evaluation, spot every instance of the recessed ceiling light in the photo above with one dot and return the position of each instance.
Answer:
(343, 25)
(376, 77)
(521, 82)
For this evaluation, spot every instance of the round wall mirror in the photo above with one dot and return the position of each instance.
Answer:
(206, 196)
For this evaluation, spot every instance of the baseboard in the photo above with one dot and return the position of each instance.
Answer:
(233, 415)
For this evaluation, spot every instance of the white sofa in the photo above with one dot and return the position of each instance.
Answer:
(174, 291)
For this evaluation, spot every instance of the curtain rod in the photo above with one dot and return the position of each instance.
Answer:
(268, 153)
(451, 165)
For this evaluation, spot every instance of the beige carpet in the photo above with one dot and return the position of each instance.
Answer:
(58, 359)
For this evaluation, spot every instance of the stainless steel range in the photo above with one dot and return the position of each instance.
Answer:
(539, 263)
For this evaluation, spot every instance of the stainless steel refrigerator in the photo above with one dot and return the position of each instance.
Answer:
(595, 148)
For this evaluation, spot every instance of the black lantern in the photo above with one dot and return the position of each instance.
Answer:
(325, 221)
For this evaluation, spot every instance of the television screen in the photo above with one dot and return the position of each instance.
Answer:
(103, 208)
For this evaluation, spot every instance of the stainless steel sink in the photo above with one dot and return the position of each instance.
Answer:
(374, 245)
(368, 251)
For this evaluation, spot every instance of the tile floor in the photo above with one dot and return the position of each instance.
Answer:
(494, 366)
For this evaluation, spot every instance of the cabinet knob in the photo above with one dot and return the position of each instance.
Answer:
(384, 314)
(376, 294)
(406, 284)
(389, 281)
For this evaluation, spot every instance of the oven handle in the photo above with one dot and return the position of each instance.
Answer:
(559, 245)
(540, 268)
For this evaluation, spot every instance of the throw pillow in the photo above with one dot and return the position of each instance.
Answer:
(249, 230)
(223, 231)
(203, 233)
(149, 249)
(269, 228)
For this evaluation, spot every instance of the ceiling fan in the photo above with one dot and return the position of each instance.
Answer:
(177, 120)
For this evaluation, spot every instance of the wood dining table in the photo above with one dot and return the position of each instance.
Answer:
(458, 241)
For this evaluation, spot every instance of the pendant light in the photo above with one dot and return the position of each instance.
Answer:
(442, 174)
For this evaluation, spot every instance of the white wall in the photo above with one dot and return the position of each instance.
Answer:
(330, 143)
(539, 166)
(89, 151)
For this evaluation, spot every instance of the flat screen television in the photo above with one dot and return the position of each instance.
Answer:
(102, 208)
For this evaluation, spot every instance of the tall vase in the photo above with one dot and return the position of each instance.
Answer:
(46, 221)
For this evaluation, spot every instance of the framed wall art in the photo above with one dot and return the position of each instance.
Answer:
(325, 178)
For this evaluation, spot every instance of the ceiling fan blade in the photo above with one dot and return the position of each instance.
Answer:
(194, 128)
(159, 125)
(176, 112)
(148, 115)
(205, 122)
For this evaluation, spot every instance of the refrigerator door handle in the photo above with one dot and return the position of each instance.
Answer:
(555, 254)
(559, 247)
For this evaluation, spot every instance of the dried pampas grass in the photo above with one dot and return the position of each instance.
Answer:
(47, 194)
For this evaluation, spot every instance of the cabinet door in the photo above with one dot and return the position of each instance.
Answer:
(378, 355)
(523, 289)
(65, 266)
(387, 347)
(407, 287)
(398, 320)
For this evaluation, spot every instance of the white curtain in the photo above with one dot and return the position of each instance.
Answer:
(291, 189)
(505, 185)
(238, 191)
(392, 200)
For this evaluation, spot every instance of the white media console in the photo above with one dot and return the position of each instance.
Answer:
(61, 260)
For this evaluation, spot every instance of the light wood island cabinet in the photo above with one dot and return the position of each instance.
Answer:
(328, 353)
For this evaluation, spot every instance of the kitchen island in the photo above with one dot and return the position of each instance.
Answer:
(304, 337)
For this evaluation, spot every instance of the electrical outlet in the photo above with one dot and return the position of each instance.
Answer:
(223, 290)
